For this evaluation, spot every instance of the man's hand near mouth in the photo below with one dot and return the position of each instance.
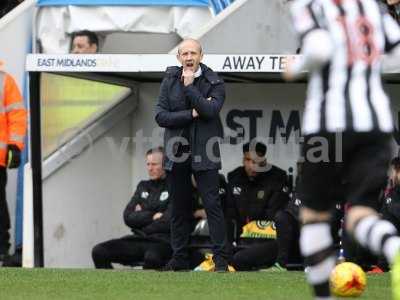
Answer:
(187, 77)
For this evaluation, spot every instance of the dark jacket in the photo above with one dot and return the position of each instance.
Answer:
(257, 198)
(391, 207)
(174, 113)
(153, 197)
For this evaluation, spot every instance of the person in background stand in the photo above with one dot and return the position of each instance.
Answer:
(13, 124)
(84, 42)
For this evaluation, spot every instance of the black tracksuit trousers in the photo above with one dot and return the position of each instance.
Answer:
(180, 190)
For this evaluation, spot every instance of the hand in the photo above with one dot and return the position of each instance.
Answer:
(195, 114)
(13, 156)
(287, 73)
(187, 77)
(156, 216)
(138, 207)
(200, 214)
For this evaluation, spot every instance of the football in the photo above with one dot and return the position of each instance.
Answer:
(348, 280)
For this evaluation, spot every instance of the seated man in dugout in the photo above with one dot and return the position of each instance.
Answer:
(148, 216)
(256, 192)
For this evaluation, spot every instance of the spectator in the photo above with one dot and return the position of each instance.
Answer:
(256, 192)
(84, 42)
(12, 135)
(147, 214)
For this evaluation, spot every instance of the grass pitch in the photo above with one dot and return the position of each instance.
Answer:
(74, 284)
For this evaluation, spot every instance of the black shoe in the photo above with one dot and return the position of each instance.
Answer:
(14, 260)
(175, 266)
(3, 259)
(221, 265)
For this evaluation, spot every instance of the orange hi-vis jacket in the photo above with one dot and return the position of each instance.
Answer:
(12, 116)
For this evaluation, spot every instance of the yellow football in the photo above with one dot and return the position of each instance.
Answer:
(348, 280)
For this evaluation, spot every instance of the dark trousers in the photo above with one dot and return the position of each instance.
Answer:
(181, 191)
(131, 251)
(288, 234)
(4, 214)
(255, 255)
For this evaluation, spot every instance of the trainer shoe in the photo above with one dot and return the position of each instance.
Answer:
(277, 267)
(396, 277)
(375, 270)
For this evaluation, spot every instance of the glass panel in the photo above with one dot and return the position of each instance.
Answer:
(70, 104)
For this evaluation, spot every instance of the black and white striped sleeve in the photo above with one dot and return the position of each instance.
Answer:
(304, 18)
(391, 31)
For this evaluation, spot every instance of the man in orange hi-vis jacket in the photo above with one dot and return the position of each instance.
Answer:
(12, 133)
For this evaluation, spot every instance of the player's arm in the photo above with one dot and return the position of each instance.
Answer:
(392, 43)
(316, 44)
(316, 52)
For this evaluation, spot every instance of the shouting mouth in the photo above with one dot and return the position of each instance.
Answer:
(190, 65)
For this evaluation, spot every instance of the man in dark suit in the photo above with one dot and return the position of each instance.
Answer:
(188, 107)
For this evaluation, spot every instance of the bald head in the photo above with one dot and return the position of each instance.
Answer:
(190, 54)
(190, 43)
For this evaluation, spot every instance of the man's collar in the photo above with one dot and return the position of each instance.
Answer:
(198, 72)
